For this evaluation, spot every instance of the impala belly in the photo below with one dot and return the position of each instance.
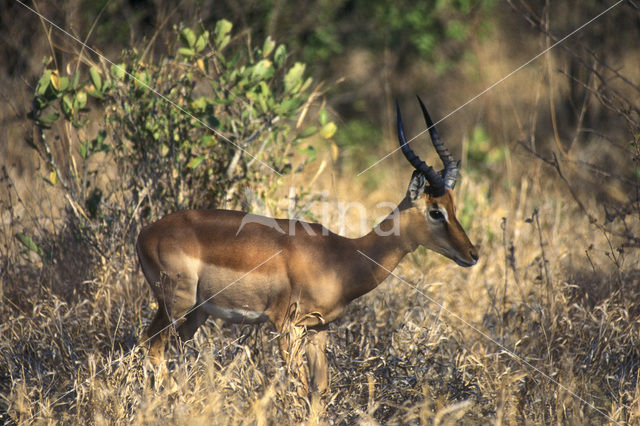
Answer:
(238, 296)
(235, 315)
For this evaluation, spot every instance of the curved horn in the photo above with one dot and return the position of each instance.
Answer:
(435, 180)
(450, 172)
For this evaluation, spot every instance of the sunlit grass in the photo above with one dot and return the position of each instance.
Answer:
(543, 330)
(397, 355)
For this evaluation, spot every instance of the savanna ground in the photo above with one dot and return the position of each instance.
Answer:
(544, 329)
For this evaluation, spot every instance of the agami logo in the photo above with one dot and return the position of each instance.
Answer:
(261, 220)
(295, 225)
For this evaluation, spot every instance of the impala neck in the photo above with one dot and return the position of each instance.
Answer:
(381, 251)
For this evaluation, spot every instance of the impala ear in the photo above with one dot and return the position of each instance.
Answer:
(416, 186)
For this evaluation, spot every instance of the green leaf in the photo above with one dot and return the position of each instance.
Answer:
(102, 135)
(456, 30)
(95, 78)
(323, 116)
(84, 148)
(309, 131)
(195, 162)
(266, 91)
(40, 104)
(97, 144)
(200, 103)
(306, 84)
(28, 242)
(268, 46)
(207, 140)
(286, 107)
(201, 43)
(76, 81)
(44, 82)
(224, 42)
(67, 105)
(223, 28)
(96, 94)
(263, 70)
(143, 79)
(80, 124)
(64, 84)
(80, 100)
(280, 55)
(328, 130)
(187, 52)
(309, 151)
(293, 78)
(188, 37)
(49, 119)
(118, 71)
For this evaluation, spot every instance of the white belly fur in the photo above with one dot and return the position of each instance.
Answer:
(237, 316)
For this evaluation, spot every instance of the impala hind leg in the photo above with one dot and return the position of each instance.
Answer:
(317, 360)
(176, 296)
(193, 321)
(157, 337)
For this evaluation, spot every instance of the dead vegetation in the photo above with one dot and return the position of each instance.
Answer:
(544, 329)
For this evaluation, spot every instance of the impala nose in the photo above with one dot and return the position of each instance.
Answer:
(474, 254)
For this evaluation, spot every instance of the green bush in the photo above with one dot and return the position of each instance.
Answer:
(147, 137)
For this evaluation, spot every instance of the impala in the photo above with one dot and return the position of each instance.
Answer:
(212, 262)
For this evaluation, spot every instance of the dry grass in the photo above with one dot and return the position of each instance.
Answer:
(544, 329)
(507, 340)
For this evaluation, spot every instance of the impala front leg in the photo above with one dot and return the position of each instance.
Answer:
(317, 360)
(292, 351)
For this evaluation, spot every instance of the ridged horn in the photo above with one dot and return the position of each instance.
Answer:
(450, 172)
(436, 183)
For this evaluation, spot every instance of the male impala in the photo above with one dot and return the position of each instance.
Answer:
(200, 263)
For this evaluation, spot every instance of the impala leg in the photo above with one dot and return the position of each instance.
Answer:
(318, 373)
(292, 351)
(157, 336)
(194, 320)
(317, 360)
(170, 307)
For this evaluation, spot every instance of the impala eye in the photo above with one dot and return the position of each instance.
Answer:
(436, 215)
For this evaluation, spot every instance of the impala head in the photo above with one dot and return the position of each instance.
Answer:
(432, 210)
